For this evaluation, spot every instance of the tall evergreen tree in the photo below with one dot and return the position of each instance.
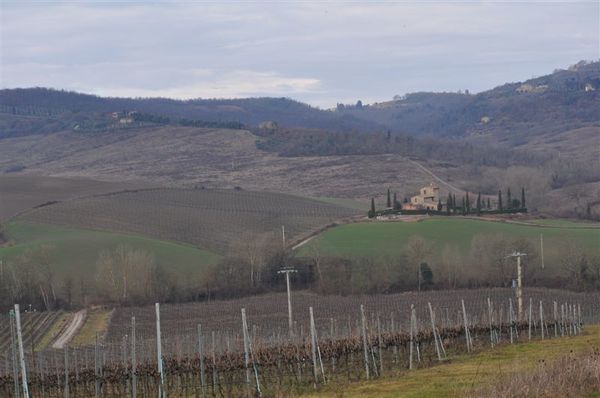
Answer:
(464, 208)
(489, 206)
(508, 199)
(373, 205)
(479, 204)
(523, 198)
(500, 200)
(389, 199)
(439, 204)
(454, 203)
(449, 203)
(397, 203)
(468, 204)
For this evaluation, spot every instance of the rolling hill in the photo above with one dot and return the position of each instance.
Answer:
(22, 192)
(214, 158)
(209, 219)
(542, 134)
(40, 110)
(73, 252)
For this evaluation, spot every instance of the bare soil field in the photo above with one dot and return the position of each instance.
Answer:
(215, 158)
(211, 219)
(19, 192)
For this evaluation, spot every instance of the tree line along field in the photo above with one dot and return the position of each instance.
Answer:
(210, 219)
(389, 239)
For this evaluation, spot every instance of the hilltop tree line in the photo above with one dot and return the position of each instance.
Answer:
(303, 142)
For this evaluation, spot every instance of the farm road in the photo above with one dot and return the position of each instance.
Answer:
(69, 332)
(436, 177)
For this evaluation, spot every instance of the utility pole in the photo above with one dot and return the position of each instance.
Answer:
(542, 248)
(287, 272)
(518, 255)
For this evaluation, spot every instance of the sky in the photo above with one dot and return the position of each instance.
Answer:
(319, 52)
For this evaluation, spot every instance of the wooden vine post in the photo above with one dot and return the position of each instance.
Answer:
(201, 355)
(364, 339)
(133, 361)
(21, 352)
(161, 387)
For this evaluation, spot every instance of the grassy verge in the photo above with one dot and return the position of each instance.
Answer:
(53, 332)
(462, 375)
(96, 322)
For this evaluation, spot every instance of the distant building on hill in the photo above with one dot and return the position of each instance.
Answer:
(427, 199)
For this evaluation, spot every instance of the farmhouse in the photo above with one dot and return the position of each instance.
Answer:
(427, 199)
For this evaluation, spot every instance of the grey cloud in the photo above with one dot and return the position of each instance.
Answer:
(317, 52)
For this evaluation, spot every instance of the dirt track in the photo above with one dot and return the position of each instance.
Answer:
(69, 332)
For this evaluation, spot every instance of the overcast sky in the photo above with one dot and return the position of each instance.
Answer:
(318, 52)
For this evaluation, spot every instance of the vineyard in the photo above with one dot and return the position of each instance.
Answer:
(210, 219)
(34, 326)
(21, 192)
(245, 347)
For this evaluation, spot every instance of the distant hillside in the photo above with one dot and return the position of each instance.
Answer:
(563, 100)
(542, 134)
(42, 110)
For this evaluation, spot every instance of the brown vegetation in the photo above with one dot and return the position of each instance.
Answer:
(572, 376)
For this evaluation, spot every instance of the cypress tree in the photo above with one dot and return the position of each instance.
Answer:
(468, 204)
(454, 203)
(389, 198)
(523, 198)
(449, 203)
(373, 205)
(439, 204)
(464, 208)
(395, 201)
(479, 203)
(508, 199)
(489, 206)
(500, 200)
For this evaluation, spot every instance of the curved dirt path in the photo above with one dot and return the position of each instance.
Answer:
(69, 332)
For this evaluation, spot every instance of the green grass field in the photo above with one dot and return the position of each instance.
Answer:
(389, 238)
(463, 374)
(75, 251)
